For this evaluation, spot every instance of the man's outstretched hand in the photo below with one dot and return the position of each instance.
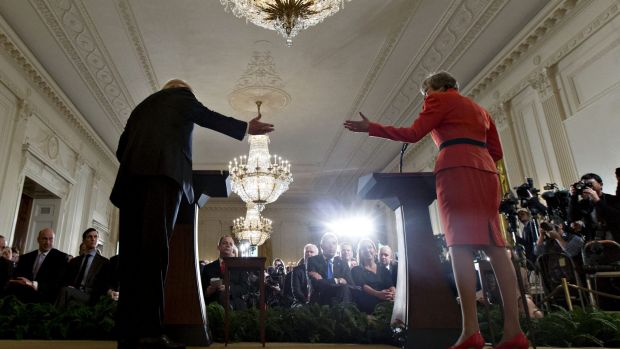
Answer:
(357, 126)
(256, 127)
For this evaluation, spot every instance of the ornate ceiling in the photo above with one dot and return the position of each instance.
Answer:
(109, 55)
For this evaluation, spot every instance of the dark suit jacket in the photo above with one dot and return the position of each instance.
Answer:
(157, 140)
(95, 279)
(340, 269)
(211, 270)
(299, 281)
(50, 275)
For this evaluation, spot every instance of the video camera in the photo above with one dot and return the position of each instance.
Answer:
(528, 196)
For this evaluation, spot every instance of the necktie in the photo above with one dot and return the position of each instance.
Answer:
(330, 269)
(222, 267)
(80, 277)
(37, 265)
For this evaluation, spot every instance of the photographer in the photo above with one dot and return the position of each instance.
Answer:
(528, 235)
(554, 239)
(274, 280)
(599, 212)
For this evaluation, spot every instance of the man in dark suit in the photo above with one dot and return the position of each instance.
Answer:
(155, 155)
(299, 278)
(38, 275)
(386, 259)
(212, 276)
(328, 274)
(85, 279)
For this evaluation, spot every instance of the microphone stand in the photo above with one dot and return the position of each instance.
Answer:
(402, 154)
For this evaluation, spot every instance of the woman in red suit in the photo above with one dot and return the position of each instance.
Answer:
(468, 195)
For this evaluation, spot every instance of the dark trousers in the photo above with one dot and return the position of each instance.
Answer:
(147, 218)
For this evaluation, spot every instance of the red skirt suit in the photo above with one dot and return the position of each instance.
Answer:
(468, 190)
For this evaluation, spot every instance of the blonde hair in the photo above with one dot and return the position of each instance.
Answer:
(174, 83)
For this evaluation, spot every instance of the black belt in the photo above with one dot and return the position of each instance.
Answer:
(462, 141)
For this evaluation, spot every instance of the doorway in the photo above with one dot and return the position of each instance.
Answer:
(38, 208)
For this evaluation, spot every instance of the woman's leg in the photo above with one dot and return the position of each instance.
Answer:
(465, 277)
(507, 281)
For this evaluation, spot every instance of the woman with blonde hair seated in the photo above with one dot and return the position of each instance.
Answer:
(374, 279)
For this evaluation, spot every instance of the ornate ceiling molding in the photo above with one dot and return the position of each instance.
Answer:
(70, 24)
(464, 24)
(521, 48)
(129, 21)
(605, 17)
(44, 84)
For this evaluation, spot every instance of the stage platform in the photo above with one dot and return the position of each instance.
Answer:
(32, 344)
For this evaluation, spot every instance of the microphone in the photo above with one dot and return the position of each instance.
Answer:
(402, 153)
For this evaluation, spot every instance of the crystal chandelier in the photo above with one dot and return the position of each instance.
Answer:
(287, 17)
(254, 228)
(259, 178)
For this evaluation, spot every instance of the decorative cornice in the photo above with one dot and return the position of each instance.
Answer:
(72, 27)
(572, 43)
(47, 88)
(522, 47)
(129, 21)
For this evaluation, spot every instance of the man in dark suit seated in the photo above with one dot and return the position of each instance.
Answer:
(213, 278)
(38, 275)
(155, 174)
(85, 279)
(329, 276)
(299, 278)
(386, 259)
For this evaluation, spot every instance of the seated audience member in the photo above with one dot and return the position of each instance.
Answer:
(346, 253)
(16, 255)
(299, 278)
(374, 279)
(386, 259)
(600, 212)
(38, 275)
(85, 280)
(554, 239)
(328, 274)
(6, 267)
(213, 278)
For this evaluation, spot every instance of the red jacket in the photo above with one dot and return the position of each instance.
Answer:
(448, 115)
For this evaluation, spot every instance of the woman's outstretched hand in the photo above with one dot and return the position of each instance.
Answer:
(357, 126)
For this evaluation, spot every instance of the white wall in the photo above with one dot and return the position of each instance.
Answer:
(43, 137)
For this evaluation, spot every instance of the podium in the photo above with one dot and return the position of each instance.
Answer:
(424, 301)
(185, 317)
(245, 264)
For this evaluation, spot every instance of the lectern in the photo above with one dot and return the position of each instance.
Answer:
(424, 300)
(185, 316)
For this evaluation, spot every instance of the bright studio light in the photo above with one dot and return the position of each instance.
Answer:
(358, 226)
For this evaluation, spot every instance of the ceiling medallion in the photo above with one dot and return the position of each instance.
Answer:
(259, 82)
(286, 17)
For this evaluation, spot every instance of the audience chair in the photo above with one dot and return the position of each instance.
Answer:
(601, 259)
(553, 268)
